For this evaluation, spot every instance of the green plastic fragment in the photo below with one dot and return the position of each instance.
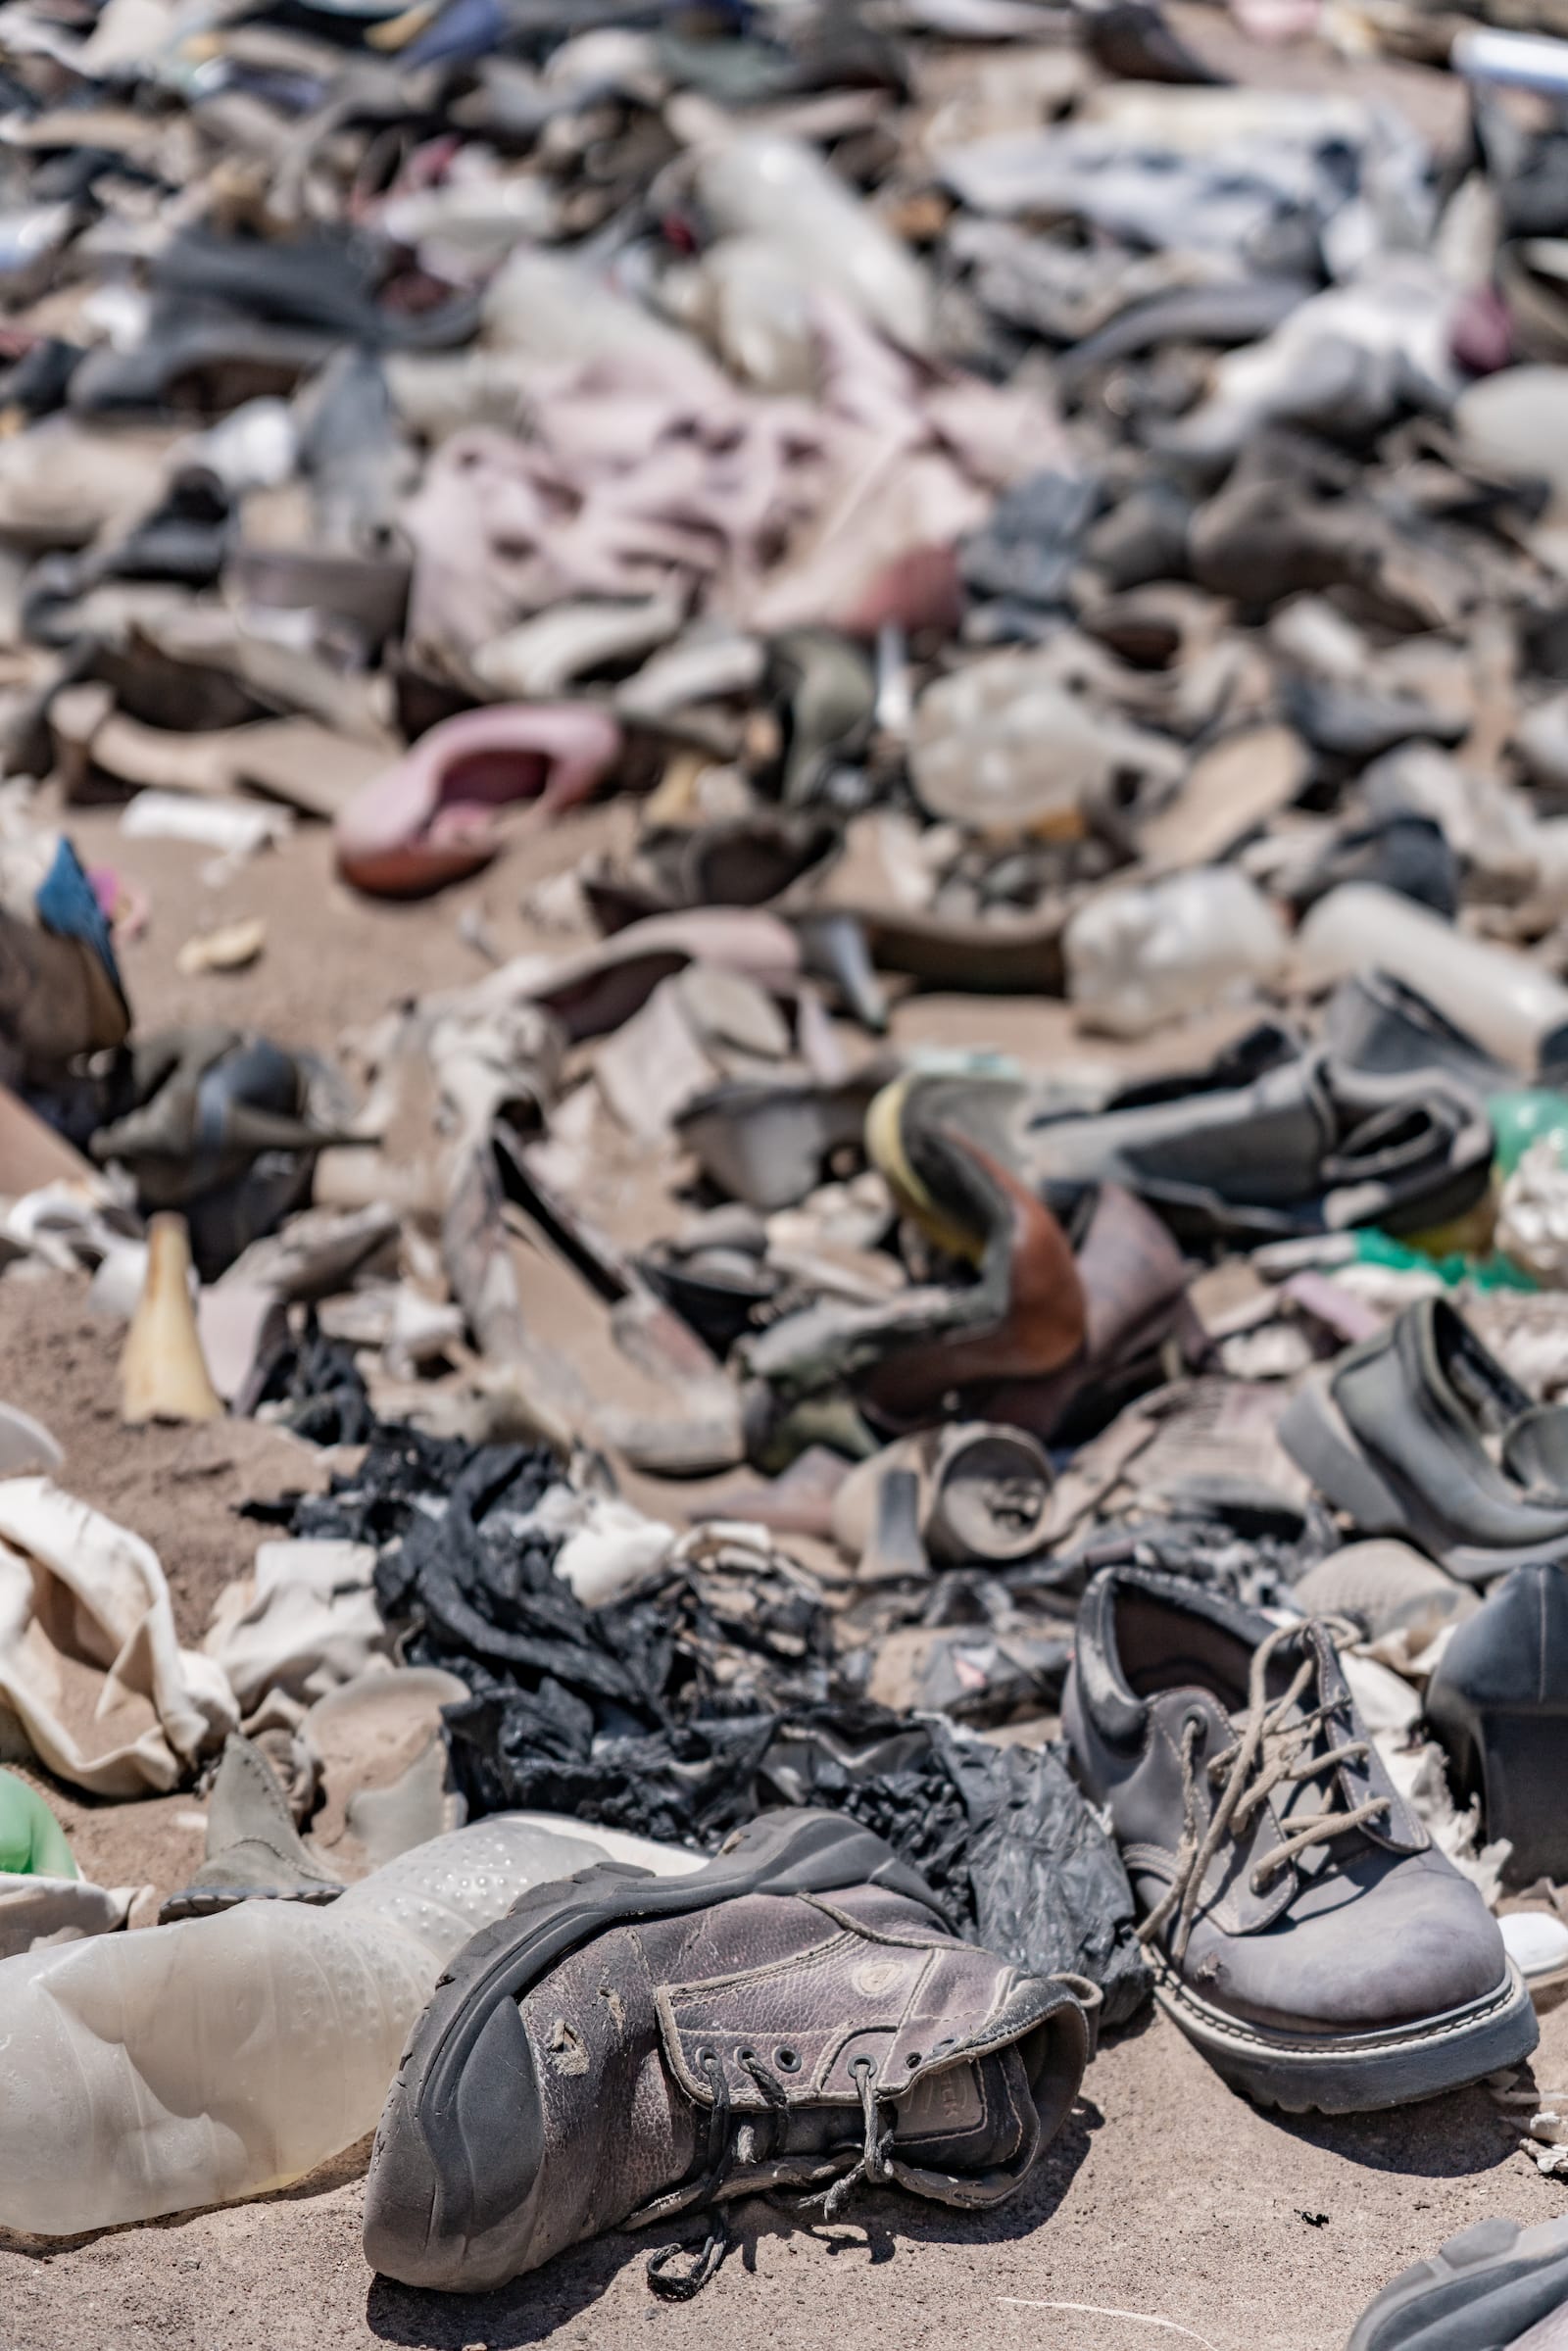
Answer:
(33, 1843)
(1491, 1272)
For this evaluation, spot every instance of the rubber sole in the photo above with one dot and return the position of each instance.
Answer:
(1363, 2072)
(421, 2165)
(206, 1901)
(1320, 1440)
(1478, 2292)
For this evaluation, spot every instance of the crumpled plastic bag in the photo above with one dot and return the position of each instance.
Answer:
(90, 1669)
(303, 1622)
(1139, 955)
(683, 1715)
(608, 1547)
(36, 1911)
(1049, 1887)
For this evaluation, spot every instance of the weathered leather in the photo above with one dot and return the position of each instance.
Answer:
(1400, 1397)
(977, 2063)
(1373, 1929)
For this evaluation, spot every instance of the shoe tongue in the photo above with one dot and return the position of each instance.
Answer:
(1535, 1451)
(977, 2116)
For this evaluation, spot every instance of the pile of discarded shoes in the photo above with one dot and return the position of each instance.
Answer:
(916, 1335)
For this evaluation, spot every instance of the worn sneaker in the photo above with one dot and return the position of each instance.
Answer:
(620, 2048)
(1307, 1934)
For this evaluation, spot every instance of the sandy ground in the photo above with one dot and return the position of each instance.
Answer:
(1166, 2197)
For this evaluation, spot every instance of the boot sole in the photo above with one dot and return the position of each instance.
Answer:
(1319, 1440)
(1358, 2073)
(206, 1901)
(1504, 2275)
(420, 2145)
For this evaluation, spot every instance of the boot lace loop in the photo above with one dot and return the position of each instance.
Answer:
(674, 2283)
(1272, 1748)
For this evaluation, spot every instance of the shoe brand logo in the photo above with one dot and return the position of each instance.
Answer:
(874, 1977)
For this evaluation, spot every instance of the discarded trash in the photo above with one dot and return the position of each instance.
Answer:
(896, 1147)
(231, 948)
(31, 1840)
(274, 2028)
(163, 1374)
(89, 1664)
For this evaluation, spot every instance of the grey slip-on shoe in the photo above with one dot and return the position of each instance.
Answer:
(1394, 1435)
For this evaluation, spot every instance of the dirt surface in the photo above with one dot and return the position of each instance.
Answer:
(1166, 2196)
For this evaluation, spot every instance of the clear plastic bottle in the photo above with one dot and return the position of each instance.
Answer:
(148, 2073)
(782, 192)
(1139, 955)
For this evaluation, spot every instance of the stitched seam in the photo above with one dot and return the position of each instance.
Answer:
(1170, 1990)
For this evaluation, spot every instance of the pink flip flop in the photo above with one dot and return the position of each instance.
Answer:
(431, 819)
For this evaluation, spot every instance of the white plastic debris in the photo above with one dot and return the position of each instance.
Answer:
(227, 2056)
(91, 1672)
(1532, 1215)
(1420, 1776)
(1138, 958)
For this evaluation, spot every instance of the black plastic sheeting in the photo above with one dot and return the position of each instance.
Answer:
(687, 1709)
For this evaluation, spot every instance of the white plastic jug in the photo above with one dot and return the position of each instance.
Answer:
(147, 2072)
(1503, 1000)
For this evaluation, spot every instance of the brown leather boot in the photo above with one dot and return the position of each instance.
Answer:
(620, 2048)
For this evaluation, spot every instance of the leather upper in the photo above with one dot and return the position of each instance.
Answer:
(1416, 1396)
(1374, 1927)
(593, 2101)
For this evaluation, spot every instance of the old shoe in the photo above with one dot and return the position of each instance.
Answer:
(621, 2047)
(1307, 1934)
(1419, 1430)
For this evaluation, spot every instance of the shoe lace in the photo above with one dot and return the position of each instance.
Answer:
(702, 2262)
(1271, 1748)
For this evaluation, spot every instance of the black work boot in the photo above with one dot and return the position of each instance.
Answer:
(620, 2048)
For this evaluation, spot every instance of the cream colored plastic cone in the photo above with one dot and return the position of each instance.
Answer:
(162, 1372)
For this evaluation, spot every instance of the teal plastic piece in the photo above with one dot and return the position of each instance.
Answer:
(1520, 1117)
(1492, 1272)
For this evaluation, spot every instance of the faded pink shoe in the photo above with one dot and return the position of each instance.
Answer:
(431, 819)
